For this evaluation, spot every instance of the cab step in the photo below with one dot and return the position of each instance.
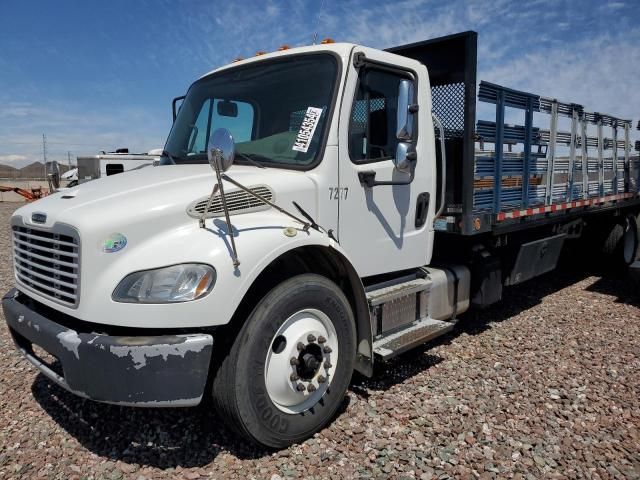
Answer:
(383, 293)
(419, 332)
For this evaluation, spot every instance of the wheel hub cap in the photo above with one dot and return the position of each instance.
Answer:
(301, 361)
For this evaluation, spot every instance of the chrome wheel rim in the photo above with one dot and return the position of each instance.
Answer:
(301, 361)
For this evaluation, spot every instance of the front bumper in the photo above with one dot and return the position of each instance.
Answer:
(154, 371)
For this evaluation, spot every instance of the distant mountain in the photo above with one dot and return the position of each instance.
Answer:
(7, 171)
(33, 170)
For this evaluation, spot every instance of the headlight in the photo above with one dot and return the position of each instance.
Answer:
(177, 283)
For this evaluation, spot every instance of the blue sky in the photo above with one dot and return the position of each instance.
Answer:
(100, 75)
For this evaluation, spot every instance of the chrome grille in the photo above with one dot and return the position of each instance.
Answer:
(238, 201)
(48, 261)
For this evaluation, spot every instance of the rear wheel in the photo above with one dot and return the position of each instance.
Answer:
(621, 244)
(290, 365)
(630, 240)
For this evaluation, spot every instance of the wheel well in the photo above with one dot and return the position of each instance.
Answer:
(323, 261)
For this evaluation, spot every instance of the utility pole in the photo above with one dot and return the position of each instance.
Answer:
(44, 154)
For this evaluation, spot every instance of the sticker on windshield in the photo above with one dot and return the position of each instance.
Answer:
(307, 129)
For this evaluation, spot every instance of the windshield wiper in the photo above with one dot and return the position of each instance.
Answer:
(246, 157)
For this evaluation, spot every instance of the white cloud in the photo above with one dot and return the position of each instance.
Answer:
(9, 159)
(548, 47)
(75, 128)
(601, 74)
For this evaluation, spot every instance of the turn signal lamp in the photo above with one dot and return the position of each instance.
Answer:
(327, 40)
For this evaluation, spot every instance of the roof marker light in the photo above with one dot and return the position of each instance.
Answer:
(283, 47)
(238, 59)
(260, 52)
(327, 40)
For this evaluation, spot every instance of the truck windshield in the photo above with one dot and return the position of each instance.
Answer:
(276, 110)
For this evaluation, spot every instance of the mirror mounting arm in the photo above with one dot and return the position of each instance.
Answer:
(174, 106)
(368, 178)
(216, 164)
(305, 225)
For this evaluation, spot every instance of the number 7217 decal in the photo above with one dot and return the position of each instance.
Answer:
(338, 193)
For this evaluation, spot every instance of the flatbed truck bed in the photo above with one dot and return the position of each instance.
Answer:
(502, 177)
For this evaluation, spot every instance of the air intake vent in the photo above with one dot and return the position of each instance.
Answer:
(238, 202)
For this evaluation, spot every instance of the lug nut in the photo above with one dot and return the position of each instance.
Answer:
(294, 377)
(321, 339)
(311, 338)
(300, 387)
(327, 349)
(327, 364)
(311, 388)
(294, 361)
(300, 346)
(321, 379)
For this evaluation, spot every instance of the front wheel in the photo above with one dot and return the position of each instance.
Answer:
(289, 367)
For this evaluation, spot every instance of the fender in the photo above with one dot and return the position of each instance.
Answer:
(364, 327)
(311, 239)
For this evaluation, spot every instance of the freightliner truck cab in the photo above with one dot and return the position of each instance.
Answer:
(284, 241)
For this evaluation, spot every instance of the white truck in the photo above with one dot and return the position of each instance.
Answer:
(355, 209)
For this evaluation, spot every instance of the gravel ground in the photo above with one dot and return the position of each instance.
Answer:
(544, 385)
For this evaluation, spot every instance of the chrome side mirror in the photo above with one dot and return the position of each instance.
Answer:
(221, 149)
(405, 158)
(406, 111)
(53, 174)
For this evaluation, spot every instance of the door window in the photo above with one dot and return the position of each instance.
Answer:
(372, 130)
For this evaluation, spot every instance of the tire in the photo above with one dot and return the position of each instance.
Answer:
(621, 244)
(253, 389)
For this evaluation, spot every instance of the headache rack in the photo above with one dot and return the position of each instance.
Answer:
(502, 176)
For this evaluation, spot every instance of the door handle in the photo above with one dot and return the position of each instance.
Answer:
(422, 208)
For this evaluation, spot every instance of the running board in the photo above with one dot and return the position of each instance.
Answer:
(421, 331)
(386, 293)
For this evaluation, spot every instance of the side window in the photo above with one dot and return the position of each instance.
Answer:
(372, 130)
(113, 168)
(237, 117)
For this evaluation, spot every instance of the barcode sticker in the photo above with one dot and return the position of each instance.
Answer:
(307, 129)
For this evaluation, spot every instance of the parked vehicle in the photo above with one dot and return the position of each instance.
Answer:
(354, 211)
(105, 164)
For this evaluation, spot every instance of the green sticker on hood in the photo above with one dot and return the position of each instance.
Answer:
(114, 243)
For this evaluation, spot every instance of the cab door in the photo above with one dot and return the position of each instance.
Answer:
(386, 203)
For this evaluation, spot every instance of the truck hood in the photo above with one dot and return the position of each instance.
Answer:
(159, 196)
(138, 220)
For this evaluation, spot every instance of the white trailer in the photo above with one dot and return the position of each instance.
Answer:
(92, 167)
(333, 232)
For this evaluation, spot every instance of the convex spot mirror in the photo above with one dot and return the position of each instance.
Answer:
(405, 157)
(406, 111)
(221, 149)
(227, 109)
